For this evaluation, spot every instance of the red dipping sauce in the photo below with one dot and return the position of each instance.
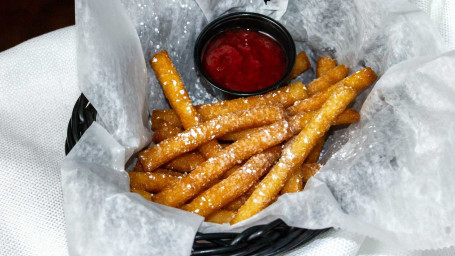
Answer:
(244, 60)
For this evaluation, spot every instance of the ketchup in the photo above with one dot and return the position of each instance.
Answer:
(244, 60)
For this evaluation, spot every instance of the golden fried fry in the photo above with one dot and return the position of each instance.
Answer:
(311, 104)
(309, 170)
(302, 63)
(225, 144)
(196, 136)
(159, 123)
(175, 92)
(358, 81)
(230, 171)
(239, 201)
(221, 216)
(169, 172)
(173, 89)
(295, 153)
(138, 167)
(301, 175)
(143, 193)
(164, 115)
(298, 122)
(240, 134)
(235, 185)
(152, 181)
(210, 149)
(213, 168)
(294, 183)
(165, 131)
(348, 116)
(324, 64)
(186, 162)
(313, 157)
(328, 79)
(284, 96)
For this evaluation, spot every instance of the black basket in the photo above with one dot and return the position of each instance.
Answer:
(271, 239)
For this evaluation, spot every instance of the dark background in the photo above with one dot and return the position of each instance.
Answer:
(21, 20)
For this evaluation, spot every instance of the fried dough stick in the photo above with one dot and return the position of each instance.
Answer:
(213, 168)
(300, 177)
(313, 157)
(358, 81)
(186, 162)
(235, 185)
(167, 115)
(323, 65)
(295, 153)
(192, 138)
(183, 163)
(221, 216)
(301, 64)
(298, 122)
(165, 130)
(230, 171)
(239, 201)
(143, 193)
(284, 96)
(153, 181)
(309, 170)
(294, 183)
(138, 167)
(329, 78)
(175, 92)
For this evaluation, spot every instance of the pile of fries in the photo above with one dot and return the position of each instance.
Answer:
(270, 143)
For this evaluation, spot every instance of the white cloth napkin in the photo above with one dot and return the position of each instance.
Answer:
(442, 13)
(38, 89)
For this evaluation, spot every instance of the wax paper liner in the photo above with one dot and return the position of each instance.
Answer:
(386, 177)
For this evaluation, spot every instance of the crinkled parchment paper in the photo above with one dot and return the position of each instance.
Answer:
(390, 176)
